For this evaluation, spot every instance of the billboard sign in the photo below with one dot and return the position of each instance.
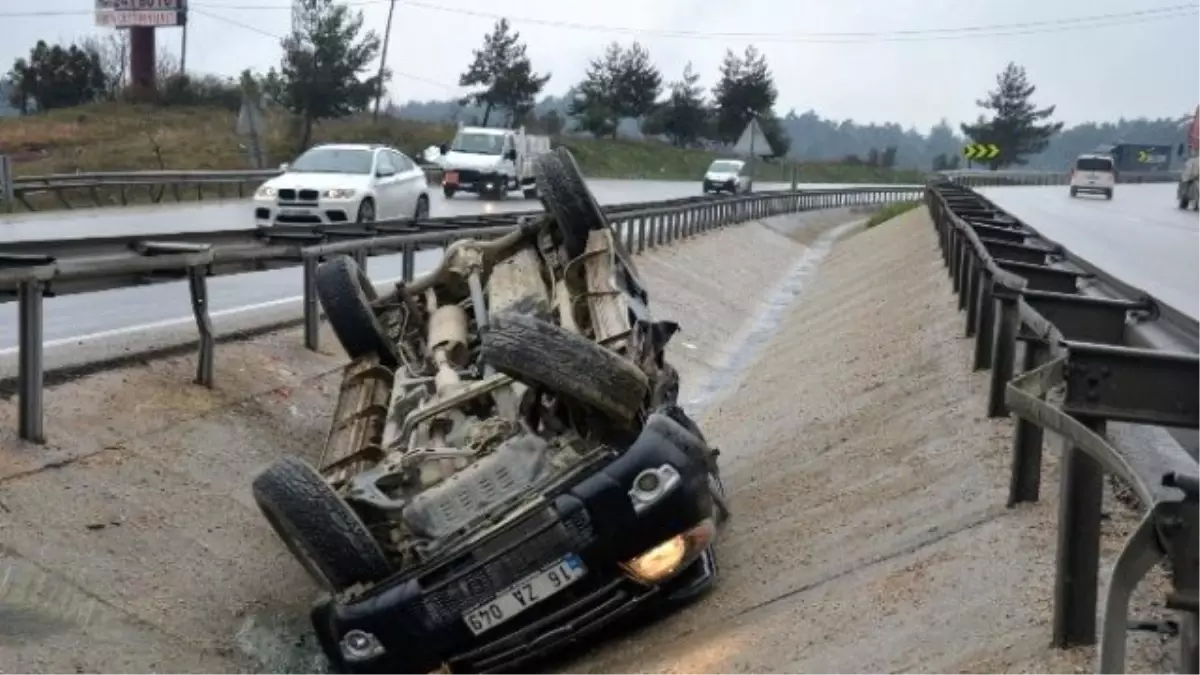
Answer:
(152, 13)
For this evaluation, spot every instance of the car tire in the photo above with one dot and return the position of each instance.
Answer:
(567, 199)
(346, 295)
(545, 355)
(366, 211)
(1074, 192)
(422, 211)
(1108, 194)
(320, 529)
(448, 192)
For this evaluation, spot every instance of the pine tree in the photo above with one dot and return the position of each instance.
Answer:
(1014, 126)
(505, 72)
(683, 117)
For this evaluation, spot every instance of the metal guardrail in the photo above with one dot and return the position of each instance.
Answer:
(29, 274)
(1022, 295)
(120, 188)
(1002, 178)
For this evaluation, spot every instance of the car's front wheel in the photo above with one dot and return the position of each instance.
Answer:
(422, 212)
(366, 211)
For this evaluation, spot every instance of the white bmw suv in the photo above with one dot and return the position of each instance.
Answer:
(343, 183)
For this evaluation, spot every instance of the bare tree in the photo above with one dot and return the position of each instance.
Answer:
(112, 51)
(166, 65)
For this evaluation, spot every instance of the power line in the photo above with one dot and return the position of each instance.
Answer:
(256, 29)
(911, 35)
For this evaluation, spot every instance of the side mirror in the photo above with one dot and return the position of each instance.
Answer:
(285, 165)
(384, 173)
(511, 155)
(443, 148)
(1181, 150)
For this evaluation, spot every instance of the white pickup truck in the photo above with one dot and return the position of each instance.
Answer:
(490, 162)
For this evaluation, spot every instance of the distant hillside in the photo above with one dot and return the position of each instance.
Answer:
(815, 138)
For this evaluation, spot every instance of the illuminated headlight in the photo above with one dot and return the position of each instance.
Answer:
(358, 646)
(671, 556)
(651, 485)
(338, 194)
(265, 191)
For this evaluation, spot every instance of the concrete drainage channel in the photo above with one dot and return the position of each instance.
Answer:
(744, 348)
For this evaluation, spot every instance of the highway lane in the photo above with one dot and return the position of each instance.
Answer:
(75, 319)
(232, 214)
(1140, 237)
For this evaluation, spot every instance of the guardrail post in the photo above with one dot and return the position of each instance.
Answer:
(312, 307)
(30, 374)
(408, 262)
(965, 271)
(1078, 565)
(641, 234)
(198, 289)
(627, 232)
(360, 258)
(975, 276)
(1003, 348)
(985, 322)
(1025, 479)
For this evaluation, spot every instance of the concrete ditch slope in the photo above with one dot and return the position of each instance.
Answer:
(868, 490)
(131, 543)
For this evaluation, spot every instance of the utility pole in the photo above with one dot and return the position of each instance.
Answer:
(387, 37)
(183, 50)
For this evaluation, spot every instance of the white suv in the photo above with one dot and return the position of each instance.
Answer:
(351, 183)
(1094, 173)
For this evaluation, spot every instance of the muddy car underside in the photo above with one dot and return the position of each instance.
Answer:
(522, 369)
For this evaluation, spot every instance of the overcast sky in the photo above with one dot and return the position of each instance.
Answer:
(907, 61)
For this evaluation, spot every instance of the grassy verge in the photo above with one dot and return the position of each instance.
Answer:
(891, 211)
(115, 137)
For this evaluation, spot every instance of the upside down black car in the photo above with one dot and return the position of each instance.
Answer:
(508, 470)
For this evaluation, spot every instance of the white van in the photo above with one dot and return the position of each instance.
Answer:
(1094, 173)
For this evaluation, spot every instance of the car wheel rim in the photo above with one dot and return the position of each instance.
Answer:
(366, 213)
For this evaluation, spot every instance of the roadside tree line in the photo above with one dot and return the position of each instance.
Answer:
(624, 83)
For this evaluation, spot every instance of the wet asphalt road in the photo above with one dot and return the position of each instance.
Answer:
(1140, 237)
(106, 314)
(229, 215)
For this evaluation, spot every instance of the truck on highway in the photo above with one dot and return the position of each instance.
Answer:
(490, 162)
(1189, 178)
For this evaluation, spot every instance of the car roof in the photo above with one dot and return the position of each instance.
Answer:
(1094, 156)
(731, 160)
(352, 146)
(490, 131)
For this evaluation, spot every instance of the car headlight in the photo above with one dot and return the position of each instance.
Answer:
(339, 193)
(671, 556)
(265, 191)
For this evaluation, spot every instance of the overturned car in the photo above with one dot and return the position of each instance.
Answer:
(507, 470)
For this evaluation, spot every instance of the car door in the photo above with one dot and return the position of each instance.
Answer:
(386, 182)
(411, 182)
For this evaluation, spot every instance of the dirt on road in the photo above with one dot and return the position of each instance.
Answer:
(868, 487)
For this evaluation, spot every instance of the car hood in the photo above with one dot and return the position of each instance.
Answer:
(720, 176)
(319, 181)
(469, 160)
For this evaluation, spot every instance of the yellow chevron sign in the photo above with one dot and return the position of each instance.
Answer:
(981, 151)
(1147, 157)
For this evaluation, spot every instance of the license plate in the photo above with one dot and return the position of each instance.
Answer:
(293, 212)
(524, 594)
(450, 177)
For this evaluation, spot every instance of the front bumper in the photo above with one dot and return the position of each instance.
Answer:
(268, 212)
(720, 186)
(417, 616)
(471, 180)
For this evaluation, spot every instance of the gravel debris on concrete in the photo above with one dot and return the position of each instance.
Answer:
(130, 542)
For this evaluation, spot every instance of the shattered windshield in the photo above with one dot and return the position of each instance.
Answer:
(479, 144)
